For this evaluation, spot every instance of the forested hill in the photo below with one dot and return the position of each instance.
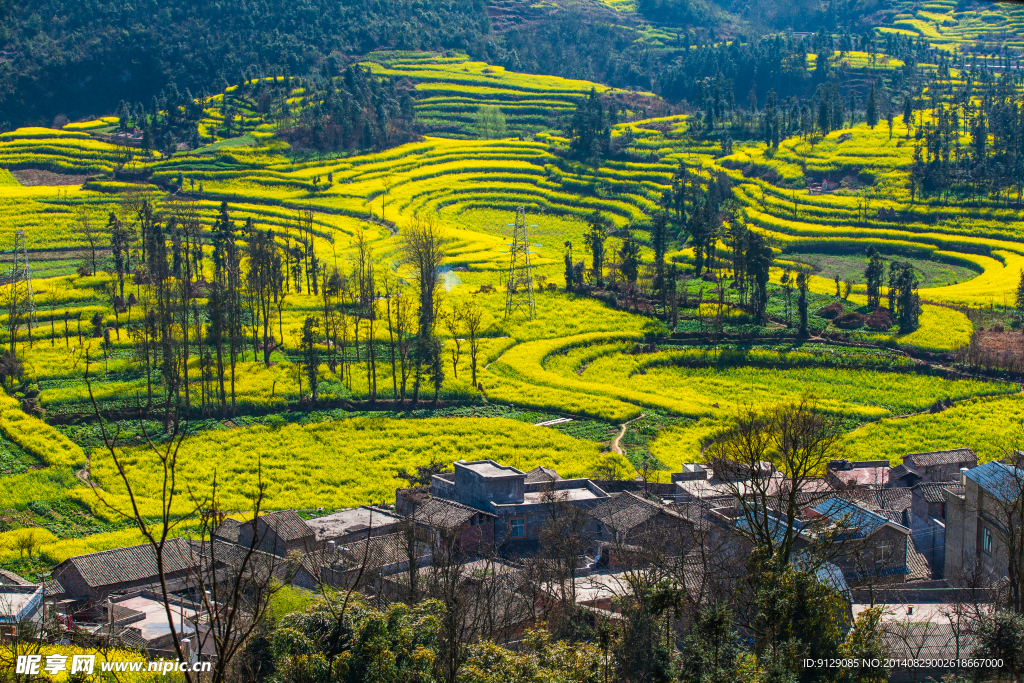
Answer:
(82, 57)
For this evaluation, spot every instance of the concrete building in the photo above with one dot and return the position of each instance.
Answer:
(18, 602)
(977, 520)
(518, 506)
(935, 466)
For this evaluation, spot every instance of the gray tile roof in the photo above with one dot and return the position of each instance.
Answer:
(935, 492)
(11, 579)
(898, 498)
(860, 521)
(228, 530)
(901, 471)
(917, 565)
(438, 512)
(541, 474)
(133, 564)
(287, 525)
(627, 511)
(950, 457)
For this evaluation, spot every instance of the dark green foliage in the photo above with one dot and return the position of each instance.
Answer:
(1001, 636)
(874, 274)
(84, 57)
(588, 131)
(597, 233)
(311, 355)
(711, 651)
(801, 283)
(759, 262)
(872, 107)
(332, 641)
(904, 302)
(797, 617)
(630, 255)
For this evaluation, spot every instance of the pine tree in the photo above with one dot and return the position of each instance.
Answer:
(801, 283)
(908, 114)
(872, 108)
(1019, 302)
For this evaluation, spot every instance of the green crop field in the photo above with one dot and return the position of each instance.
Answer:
(485, 140)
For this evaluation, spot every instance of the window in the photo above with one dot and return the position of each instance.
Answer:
(517, 528)
(883, 553)
(986, 540)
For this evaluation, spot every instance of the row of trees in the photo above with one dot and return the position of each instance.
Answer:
(208, 299)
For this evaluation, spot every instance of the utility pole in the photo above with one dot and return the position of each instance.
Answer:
(20, 301)
(519, 286)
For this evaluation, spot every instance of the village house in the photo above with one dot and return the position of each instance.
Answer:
(353, 524)
(278, 533)
(870, 474)
(936, 466)
(874, 547)
(977, 518)
(89, 579)
(518, 506)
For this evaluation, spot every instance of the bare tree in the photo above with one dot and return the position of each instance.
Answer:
(772, 461)
(424, 245)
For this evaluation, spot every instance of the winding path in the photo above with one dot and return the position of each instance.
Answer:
(622, 432)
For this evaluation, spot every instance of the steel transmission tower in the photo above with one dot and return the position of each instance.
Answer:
(519, 288)
(21, 303)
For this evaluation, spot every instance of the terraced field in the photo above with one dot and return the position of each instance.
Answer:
(582, 356)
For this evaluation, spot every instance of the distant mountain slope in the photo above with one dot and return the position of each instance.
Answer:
(80, 58)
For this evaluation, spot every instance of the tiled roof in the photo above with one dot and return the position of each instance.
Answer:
(1002, 481)
(893, 516)
(380, 551)
(53, 589)
(898, 498)
(860, 521)
(448, 514)
(627, 511)
(228, 530)
(866, 498)
(901, 471)
(133, 564)
(11, 579)
(935, 492)
(951, 457)
(917, 565)
(541, 474)
(287, 525)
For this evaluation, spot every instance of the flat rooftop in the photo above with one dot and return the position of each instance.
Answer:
(927, 612)
(534, 497)
(155, 623)
(490, 469)
(348, 521)
(13, 600)
(864, 476)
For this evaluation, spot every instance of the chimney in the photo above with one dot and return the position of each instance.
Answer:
(963, 476)
(331, 547)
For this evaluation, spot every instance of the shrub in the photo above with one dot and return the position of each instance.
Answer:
(850, 321)
(831, 311)
(879, 320)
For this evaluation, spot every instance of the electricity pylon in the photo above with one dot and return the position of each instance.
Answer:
(20, 302)
(519, 286)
